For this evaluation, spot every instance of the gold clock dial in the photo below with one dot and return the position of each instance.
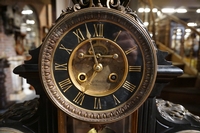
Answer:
(98, 65)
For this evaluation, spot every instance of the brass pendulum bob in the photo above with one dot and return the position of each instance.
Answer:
(100, 129)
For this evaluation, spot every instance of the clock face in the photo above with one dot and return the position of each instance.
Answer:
(97, 66)
(98, 72)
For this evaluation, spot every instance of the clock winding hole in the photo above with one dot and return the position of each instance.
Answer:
(82, 77)
(113, 77)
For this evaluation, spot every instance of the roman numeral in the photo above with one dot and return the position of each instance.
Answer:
(79, 35)
(130, 50)
(129, 86)
(97, 103)
(134, 68)
(60, 66)
(98, 30)
(65, 84)
(116, 100)
(117, 35)
(66, 49)
(79, 98)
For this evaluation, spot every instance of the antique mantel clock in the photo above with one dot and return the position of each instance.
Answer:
(98, 64)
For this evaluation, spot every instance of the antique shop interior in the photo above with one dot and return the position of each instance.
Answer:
(169, 75)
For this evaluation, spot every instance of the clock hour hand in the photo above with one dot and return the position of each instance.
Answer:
(90, 81)
(96, 68)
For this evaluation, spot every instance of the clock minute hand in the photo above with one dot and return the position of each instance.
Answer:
(89, 37)
(88, 33)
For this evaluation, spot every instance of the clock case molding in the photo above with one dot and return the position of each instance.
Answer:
(40, 115)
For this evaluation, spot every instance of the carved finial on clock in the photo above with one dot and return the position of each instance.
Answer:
(117, 4)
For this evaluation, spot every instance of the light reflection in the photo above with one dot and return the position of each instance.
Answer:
(155, 10)
(168, 10)
(181, 10)
(146, 24)
(188, 30)
(192, 24)
(30, 21)
(27, 12)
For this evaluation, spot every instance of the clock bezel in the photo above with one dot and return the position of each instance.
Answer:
(147, 49)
